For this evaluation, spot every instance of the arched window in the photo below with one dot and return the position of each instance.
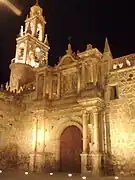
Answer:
(39, 32)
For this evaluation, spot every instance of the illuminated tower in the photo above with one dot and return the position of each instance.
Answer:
(106, 64)
(31, 49)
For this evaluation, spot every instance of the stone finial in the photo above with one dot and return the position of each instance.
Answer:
(2, 87)
(46, 40)
(89, 47)
(21, 31)
(69, 50)
(27, 17)
(7, 86)
(107, 47)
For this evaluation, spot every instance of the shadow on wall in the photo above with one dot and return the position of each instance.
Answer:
(11, 158)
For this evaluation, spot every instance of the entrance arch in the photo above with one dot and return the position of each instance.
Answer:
(70, 150)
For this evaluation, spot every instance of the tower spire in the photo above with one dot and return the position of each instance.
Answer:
(107, 47)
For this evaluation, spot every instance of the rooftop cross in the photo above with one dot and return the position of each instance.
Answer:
(37, 2)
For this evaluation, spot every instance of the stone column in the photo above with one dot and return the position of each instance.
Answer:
(58, 86)
(94, 73)
(84, 154)
(78, 80)
(96, 156)
(85, 133)
(83, 76)
(37, 85)
(50, 86)
(45, 83)
(91, 72)
(102, 131)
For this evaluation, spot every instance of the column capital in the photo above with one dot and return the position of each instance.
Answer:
(84, 111)
(95, 110)
(84, 154)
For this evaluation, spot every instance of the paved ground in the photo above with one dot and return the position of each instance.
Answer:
(55, 176)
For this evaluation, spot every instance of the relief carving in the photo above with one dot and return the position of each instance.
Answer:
(67, 86)
(69, 83)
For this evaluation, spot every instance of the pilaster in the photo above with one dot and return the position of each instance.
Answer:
(58, 86)
(45, 83)
(37, 85)
(85, 132)
(83, 76)
(84, 155)
(84, 161)
(96, 155)
(50, 86)
(78, 80)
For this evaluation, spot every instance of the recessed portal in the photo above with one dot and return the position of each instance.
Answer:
(70, 150)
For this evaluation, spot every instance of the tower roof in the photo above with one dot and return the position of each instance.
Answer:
(36, 9)
(107, 47)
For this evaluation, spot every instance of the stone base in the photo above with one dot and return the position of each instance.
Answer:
(36, 162)
(84, 161)
(96, 164)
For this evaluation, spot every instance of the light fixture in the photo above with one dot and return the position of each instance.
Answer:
(0, 171)
(26, 173)
(83, 177)
(51, 174)
(116, 177)
(69, 175)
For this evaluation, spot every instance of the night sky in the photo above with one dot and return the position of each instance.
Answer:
(85, 21)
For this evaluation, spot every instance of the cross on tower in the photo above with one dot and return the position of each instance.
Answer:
(37, 3)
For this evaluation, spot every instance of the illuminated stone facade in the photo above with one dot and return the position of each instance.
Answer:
(89, 90)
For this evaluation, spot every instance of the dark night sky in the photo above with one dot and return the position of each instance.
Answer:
(85, 21)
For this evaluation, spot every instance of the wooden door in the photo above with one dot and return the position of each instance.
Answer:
(70, 150)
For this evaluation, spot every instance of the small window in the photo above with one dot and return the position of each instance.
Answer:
(113, 92)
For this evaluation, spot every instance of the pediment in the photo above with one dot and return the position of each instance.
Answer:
(66, 60)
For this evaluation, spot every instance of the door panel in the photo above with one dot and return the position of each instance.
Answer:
(70, 150)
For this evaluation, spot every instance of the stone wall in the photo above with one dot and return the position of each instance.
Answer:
(122, 124)
(15, 133)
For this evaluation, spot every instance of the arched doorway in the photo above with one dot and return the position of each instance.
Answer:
(70, 150)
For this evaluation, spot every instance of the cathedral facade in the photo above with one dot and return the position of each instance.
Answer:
(78, 116)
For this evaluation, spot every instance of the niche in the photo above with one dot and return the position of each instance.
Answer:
(113, 92)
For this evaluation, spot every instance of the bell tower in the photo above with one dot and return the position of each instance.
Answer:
(31, 49)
